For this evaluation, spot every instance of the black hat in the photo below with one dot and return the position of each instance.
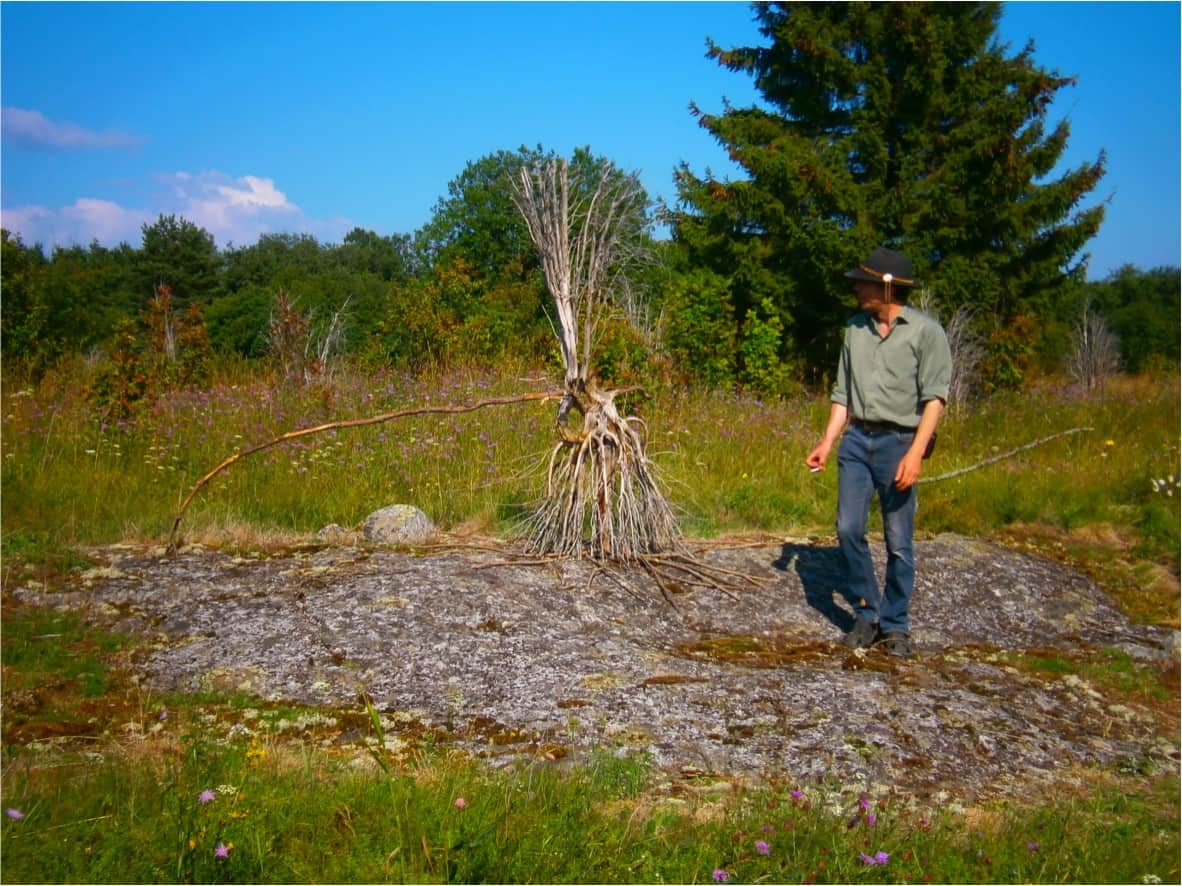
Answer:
(885, 266)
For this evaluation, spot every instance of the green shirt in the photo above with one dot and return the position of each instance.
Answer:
(889, 379)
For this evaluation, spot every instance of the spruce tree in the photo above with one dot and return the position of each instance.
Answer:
(901, 124)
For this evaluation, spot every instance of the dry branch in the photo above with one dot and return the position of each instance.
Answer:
(1003, 456)
(338, 425)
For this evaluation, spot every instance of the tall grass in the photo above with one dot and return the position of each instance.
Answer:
(731, 462)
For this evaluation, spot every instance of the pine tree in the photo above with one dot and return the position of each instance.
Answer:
(899, 124)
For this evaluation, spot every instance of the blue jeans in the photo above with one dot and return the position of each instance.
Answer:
(866, 464)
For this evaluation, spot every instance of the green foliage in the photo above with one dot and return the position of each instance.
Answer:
(897, 124)
(478, 224)
(1143, 310)
(178, 254)
(238, 321)
(69, 303)
(25, 311)
(700, 332)
(761, 369)
(622, 355)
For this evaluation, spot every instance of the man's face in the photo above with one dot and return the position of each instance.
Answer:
(869, 294)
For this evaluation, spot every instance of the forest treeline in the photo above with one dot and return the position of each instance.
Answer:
(907, 125)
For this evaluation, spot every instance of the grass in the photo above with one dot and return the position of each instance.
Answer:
(106, 777)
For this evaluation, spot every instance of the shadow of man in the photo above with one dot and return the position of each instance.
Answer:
(822, 573)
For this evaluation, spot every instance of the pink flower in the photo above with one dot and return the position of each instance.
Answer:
(720, 876)
(762, 847)
(206, 796)
(460, 803)
(221, 851)
(14, 814)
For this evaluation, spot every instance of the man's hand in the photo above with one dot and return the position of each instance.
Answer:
(817, 458)
(910, 466)
(833, 428)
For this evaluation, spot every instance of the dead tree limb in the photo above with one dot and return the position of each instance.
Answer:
(339, 425)
(1003, 456)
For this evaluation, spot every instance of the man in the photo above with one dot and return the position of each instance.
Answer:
(892, 383)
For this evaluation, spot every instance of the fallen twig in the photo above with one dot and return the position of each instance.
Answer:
(1004, 455)
(337, 425)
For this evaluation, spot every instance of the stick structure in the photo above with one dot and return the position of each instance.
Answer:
(337, 425)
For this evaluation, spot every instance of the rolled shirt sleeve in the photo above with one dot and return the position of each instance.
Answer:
(935, 363)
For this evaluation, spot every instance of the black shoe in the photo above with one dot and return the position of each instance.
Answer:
(863, 633)
(898, 645)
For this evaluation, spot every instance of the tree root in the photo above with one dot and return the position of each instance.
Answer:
(672, 573)
(602, 500)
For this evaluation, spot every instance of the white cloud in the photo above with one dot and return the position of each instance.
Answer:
(35, 129)
(236, 210)
(81, 222)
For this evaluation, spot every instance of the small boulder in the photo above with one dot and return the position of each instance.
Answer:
(399, 525)
(332, 532)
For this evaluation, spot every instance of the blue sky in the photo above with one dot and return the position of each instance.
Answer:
(316, 118)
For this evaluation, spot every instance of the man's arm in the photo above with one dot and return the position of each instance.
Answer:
(838, 413)
(911, 465)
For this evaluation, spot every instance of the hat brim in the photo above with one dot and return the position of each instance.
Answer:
(859, 274)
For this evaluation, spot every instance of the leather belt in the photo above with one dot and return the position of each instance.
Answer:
(881, 427)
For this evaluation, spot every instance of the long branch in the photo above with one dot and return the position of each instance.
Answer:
(347, 423)
(1004, 455)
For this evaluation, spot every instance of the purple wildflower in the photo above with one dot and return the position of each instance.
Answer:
(206, 796)
(720, 876)
(879, 857)
(1033, 846)
(163, 715)
(14, 814)
(221, 851)
(797, 793)
(871, 818)
(762, 847)
(863, 802)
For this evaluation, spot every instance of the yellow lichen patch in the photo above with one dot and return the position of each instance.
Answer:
(607, 680)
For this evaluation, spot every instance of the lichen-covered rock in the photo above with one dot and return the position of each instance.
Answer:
(333, 532)
(498, 657)
(399, 525)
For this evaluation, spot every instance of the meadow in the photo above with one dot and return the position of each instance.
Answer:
(199, 788)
